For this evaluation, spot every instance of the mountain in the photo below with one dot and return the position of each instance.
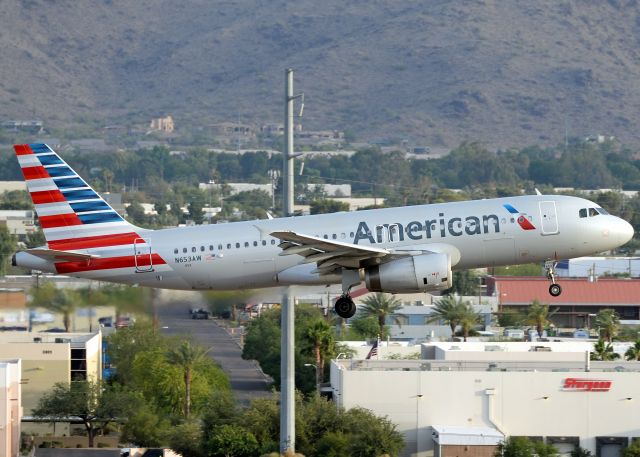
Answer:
(435, 72)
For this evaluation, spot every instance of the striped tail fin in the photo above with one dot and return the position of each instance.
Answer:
(72, 215)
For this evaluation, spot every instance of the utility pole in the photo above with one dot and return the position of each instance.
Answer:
(288, 157)
(287, 360)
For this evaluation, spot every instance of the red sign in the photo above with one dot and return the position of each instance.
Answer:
(586, 385)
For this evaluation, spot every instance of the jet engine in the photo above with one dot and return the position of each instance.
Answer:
(420, 273)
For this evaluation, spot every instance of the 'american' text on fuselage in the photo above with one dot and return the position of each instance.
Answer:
(417, 230)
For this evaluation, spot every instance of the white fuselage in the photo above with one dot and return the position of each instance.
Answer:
(478, 233)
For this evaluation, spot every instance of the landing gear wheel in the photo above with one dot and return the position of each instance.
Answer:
(555, 290)
(345, 307)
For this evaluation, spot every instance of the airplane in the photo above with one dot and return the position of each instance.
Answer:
(396, 250)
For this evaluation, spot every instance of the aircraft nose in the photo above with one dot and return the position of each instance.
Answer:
(623, 230)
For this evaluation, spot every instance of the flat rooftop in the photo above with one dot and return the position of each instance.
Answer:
(45, 337)
(472, 365)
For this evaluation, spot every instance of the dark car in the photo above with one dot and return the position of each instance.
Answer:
(200, 314)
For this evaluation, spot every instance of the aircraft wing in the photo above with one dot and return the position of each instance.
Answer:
(53, 255)
(331, 254)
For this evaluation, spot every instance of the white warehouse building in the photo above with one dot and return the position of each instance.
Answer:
(462, 399)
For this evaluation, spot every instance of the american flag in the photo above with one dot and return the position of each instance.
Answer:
(373, 351)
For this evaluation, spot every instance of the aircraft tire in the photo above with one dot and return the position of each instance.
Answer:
(345, 307)
(555, 290)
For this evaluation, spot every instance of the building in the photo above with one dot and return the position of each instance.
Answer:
(50, 358)
(462, 399)
(19, 222)
(595, 267)
(579, 301)
(29, 126)
(162, 124)
(8, 186)
(10, 407)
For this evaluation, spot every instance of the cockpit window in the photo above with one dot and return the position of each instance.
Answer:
(583, 212)
(603, 211)
(593, 212)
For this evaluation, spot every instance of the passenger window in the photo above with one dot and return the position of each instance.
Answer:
(228, 245)
(583, 212)
(351, 234)
(246, 244)
(255, 243)
(326, 237)
(201, 248)
(273, 241)
(193, 249)
(211, 247)
(219, 247)
(593, 212)
(175, 251)
(334, 236)
(264, 242)
(184, 250)
(237, 245)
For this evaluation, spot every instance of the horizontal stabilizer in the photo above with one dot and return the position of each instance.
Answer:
(53, 255)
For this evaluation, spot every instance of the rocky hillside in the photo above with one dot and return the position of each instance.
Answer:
(437, 72)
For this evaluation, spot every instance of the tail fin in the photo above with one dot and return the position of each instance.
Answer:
(72, 215)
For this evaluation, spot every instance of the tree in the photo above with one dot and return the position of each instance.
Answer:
(515, 446)
(607, 321)
(232, 440)
(603, 350)
(366, 327)
(322, 340)
(468, 319)
(196, 212)
(7, 248)
(447, 309)
(538, 315)
(186, 356)
(186, 439)
(62, 301)
(328, 206)
(633, 353)
(382, 306)
(465, 282)
(633, 450)
(94, 403)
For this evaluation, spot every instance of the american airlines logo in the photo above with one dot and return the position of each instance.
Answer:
(438, 227)
(586, 385)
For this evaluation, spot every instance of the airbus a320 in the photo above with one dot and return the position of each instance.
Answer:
(397, 250)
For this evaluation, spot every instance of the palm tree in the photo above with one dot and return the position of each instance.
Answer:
(468, 319)
(186, 357)
(320, 336)
(633, 353)
(603, 350)
(448, 309)
(381, 306)
(538, 315)
(607, 321)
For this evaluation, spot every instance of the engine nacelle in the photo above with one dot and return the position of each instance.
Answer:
(420, 273)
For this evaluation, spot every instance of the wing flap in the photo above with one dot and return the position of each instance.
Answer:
(328, 255)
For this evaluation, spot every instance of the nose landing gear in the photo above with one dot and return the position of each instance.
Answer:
(550, 267)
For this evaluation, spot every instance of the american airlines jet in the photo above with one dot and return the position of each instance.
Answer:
(396, 250)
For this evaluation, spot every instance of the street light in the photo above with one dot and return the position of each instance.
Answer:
(317, 375)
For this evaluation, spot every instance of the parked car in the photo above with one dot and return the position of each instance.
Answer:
(200, 314)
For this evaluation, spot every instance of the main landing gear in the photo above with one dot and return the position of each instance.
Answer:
(345, 307)
(554, 288)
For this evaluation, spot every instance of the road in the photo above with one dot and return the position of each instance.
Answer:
(247, 380)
